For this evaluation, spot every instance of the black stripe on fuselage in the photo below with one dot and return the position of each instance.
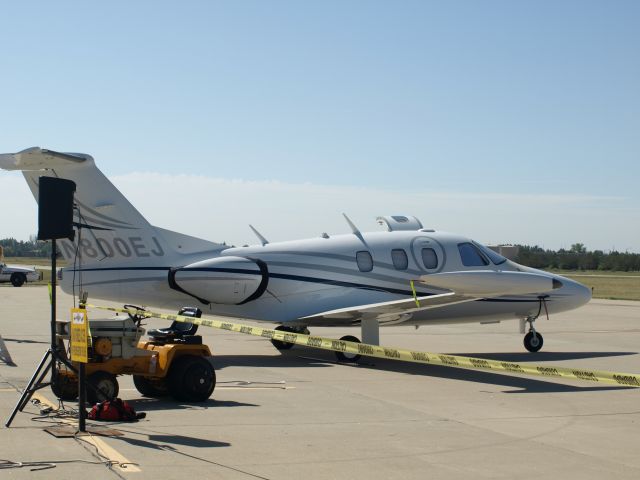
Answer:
(297, 278)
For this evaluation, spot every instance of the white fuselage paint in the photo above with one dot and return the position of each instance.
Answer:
(320, 274)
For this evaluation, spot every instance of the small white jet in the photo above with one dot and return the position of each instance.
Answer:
(406, 275)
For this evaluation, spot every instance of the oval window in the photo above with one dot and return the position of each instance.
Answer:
(429, 258)
(399, 259)
(364, 261)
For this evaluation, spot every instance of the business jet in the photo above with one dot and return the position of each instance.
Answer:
(406, 275)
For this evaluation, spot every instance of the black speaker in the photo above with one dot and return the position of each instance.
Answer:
(55, 208)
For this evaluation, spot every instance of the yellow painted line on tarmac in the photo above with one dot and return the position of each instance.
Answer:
(101, 446)
(45, 401)
(124, 464)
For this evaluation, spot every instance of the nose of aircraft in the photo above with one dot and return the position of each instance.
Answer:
(571, 295)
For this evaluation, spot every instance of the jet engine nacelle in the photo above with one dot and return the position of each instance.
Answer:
(483, 283)
(224, 280)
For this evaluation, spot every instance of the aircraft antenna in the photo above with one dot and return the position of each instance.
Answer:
(354, 229)
(263, 240)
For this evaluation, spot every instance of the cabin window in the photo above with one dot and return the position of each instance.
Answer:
(429, 258)
(471, 256)
(365, 261)
(399, 259)
(493, 256)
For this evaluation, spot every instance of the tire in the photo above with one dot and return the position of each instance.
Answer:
(64, 387)
(106, 387)
(533, 344)
(348, 357)
(279, 344)
(191, 379)
(18, 279)
(150, 388)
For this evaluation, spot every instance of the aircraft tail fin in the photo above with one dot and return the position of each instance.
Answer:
(110, 229)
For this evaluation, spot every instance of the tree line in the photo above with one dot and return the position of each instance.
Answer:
(25, 248)
(576, 258)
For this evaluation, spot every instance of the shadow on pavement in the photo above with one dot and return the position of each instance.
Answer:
(158, 442)
(308, 357)
(152, 404)
(542, 356)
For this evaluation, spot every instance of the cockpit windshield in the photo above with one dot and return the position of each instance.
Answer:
(496, 258)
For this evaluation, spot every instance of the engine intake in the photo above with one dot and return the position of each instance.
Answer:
(223, 280)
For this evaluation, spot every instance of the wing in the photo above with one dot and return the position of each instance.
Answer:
(465, 286)
(395, 311)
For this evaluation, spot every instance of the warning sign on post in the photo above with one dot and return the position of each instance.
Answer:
(79, 335)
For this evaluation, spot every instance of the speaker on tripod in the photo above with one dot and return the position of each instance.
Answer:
(55, 208)
(55, 220)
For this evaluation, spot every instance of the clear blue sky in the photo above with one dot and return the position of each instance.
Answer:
(512, 97)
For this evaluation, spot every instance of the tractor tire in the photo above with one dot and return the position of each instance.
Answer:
(191, 379)
(150, 388)
(64, 387)
(105, 387)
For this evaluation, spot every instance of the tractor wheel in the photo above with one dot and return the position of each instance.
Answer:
(191, 378)
(65, 387)
(150, 387)
(106, 387)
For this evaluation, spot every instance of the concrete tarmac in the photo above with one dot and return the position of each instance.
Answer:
(299, 414)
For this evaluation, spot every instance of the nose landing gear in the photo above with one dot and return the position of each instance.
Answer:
(533, 340)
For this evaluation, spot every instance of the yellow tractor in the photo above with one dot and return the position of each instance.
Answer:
(173, 361)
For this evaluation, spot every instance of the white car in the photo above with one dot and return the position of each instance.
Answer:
(17, 275)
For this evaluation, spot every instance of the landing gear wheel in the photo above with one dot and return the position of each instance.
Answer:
(65, 387)
(150, 387)
(191, 379)
(106, 387)
(533, 341)
(279, 344)
(348, 357)
(18, 279)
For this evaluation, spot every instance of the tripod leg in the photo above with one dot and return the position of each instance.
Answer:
(36, 378)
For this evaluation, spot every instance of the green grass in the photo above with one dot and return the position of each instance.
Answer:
(605, 284)
(33, 261)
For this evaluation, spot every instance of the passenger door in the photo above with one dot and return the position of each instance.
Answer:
(428, 254)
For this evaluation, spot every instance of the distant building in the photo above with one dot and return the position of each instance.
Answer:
(507, 251)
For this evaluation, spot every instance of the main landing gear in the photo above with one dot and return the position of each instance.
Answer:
(285, 345)
(370, 330)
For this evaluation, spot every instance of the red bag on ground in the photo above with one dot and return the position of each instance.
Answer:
(114, 410)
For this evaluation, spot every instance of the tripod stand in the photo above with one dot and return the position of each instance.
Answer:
(49, 360)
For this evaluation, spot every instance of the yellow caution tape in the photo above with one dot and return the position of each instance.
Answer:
(376, 351)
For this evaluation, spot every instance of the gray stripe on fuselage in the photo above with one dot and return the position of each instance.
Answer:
(346, 258)
(350, 272)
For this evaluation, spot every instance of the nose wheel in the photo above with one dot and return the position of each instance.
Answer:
(533, 340)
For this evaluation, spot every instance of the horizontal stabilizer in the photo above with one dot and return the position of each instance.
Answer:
(37, 158)
(487, 283)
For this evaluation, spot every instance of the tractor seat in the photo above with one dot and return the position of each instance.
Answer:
(177, 330)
